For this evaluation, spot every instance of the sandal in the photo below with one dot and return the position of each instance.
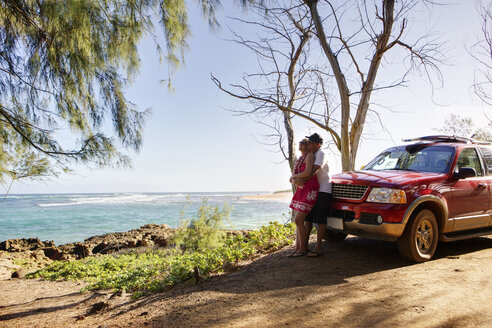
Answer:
(299, 253)
(292, 253)
(314, 254)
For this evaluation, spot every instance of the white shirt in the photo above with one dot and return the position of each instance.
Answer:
(323, 172)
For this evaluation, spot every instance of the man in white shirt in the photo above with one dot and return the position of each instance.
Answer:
(321, 209)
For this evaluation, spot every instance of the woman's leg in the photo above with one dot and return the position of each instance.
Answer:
(298, 241)
(301, 231)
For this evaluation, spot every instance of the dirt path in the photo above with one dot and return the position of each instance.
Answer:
(357, 283)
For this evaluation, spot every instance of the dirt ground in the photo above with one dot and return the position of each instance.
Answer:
(356, 283)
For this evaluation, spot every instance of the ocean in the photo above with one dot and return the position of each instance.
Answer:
(66, 218)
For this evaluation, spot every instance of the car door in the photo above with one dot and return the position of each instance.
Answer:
(486, 152)
(469, 206)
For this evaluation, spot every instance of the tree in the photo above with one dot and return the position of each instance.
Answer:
(64, 66)
(362, 33)
(284, 74)
(459, 126)
(482, 52)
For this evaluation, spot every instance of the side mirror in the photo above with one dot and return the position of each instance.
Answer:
(465, 172)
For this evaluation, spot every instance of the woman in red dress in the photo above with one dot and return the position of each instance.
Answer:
(305, 196)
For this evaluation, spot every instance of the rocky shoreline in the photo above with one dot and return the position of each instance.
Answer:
(145, 236)
(21, 256)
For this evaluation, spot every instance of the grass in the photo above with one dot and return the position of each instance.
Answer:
(157, 270)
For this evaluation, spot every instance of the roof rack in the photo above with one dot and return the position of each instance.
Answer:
(444, 138)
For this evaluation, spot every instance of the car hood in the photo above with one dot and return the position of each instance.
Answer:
(384, 178)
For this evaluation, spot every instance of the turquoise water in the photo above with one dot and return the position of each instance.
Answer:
(66, 218)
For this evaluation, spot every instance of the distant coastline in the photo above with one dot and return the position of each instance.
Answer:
(277, 195)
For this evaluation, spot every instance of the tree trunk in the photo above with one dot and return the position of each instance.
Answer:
(291, 142)
(343, 89)
(290, 139)
(360, 117)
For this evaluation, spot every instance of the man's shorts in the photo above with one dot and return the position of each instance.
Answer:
(321, 209)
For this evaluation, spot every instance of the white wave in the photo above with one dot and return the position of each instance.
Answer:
(140, 198)
(110, 199)
(54, 204)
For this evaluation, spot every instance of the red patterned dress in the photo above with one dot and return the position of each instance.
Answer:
(306, 195)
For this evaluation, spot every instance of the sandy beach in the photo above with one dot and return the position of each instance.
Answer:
(280, 195)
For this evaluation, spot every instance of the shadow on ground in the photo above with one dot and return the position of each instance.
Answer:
(353, 257)
(38, 310)
(281, 279)
(315, 287)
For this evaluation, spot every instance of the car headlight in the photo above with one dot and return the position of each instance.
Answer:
(387, 195)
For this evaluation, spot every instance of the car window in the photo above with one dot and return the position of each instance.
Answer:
(469, 158)
(420, 157)
(487, 155)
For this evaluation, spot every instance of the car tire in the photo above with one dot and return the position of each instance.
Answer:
(419, 240)
(333, 236)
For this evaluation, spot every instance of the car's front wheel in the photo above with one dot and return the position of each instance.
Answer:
(419, 240)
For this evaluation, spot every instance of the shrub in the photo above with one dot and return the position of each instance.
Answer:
(203, 232)
(156, 270)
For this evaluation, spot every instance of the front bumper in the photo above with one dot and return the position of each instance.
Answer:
(384, 231)
(360, 219)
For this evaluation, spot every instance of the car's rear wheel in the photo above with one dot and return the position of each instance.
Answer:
(333, 236)
(419, 240)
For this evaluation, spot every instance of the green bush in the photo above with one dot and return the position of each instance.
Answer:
(203, 232)
(156, 270)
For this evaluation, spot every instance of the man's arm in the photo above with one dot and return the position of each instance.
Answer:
(313, 173)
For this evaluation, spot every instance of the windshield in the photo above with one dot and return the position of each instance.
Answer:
(421, 157)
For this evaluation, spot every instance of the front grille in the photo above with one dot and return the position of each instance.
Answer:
(347, 191)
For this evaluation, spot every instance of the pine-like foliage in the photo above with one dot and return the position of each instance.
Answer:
(64, 64)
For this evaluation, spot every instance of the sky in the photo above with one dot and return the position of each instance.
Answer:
(193, 143)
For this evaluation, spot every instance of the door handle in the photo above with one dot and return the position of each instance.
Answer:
(482, 186)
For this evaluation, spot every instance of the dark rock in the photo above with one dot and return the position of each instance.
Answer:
(132, 243)
(152, 226)
(100, 248)
(81, 251)
(33, 243)
(98, 307)
(37, 255)
(49, 243)
(53, 253)
(21, 245)
(161, 241)
(145, 243)
(21, 273)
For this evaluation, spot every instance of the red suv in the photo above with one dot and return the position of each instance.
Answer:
(436, 188)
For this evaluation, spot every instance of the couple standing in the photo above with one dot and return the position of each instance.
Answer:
(312, 199)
